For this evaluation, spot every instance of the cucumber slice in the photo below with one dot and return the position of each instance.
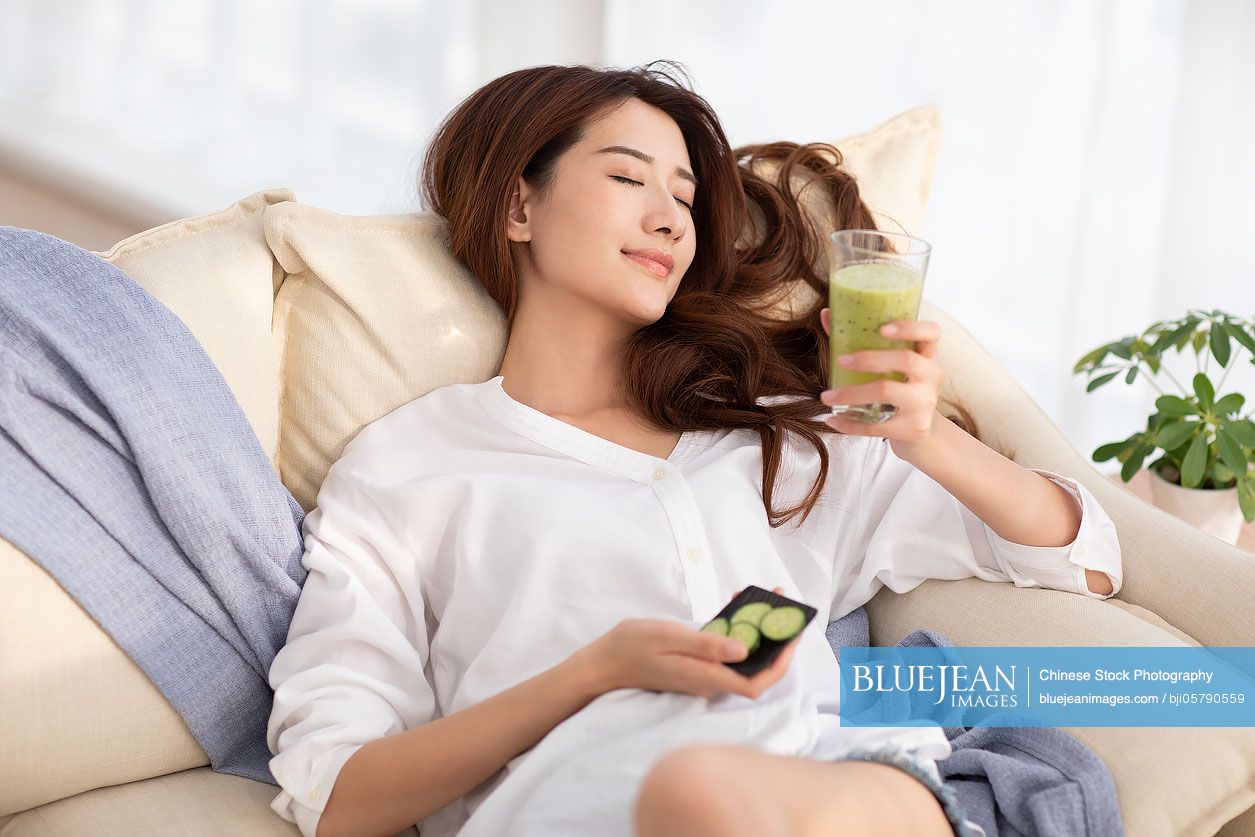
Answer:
(746, 634)
(752, 613)
(782, 622)
(718, 625)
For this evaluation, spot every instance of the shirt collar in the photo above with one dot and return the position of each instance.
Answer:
(576, 442)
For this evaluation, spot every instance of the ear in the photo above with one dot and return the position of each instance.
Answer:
(517, 224)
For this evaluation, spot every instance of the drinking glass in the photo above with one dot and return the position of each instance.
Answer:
(874, 278)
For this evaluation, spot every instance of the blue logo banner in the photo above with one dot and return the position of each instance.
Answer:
(1048, 686)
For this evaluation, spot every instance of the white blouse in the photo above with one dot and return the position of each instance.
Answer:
(466, 542)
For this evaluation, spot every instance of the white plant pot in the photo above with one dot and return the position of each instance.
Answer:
(1215, 511)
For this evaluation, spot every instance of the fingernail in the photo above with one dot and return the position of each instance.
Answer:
(845, 360)
(735, 649)
(889, 329)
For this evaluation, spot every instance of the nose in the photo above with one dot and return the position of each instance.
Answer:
(672, 221)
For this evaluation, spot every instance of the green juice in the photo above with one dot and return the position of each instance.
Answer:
(862, 298)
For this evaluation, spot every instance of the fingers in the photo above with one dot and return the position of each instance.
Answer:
(920, 330)
(699, 677)
(779, 666)
(923, 333)
(914, 365)
(709, 646)
(885, 391)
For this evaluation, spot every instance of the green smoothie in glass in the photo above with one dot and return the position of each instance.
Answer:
(861, 298)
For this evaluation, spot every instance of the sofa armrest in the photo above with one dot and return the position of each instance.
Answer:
(1193, 580)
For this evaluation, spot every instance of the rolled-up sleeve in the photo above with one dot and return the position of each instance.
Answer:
(908, 528)
(1095, 547)
(352, 667)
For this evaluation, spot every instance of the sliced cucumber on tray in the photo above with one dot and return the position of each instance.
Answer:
(718, 625)
(782, 623)
(763, 621)
(746, 634)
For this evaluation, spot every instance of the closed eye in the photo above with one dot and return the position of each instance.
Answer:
(638, 183)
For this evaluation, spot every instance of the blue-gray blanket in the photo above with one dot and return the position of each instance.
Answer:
(131, 474)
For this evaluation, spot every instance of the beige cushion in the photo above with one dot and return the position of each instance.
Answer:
(375, 311)
(217, 274)
(1170, 780)
(189, 803)
(75, 712)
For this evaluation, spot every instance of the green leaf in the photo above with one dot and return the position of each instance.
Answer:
(1230, 451)
(1199, 339)
(1172, 436)
(1109, 451)
(1172, 405)
(1246, 499)
(1163, 341)
(1204, 391)
(1154, 364)
(1195, 462)
(1220, 344)
(1182, 334)
(1128, 379)
(1095, 357)
(1220, 473)
(1100, 380)
(1239, 334)
(1134, 462)
(1231, 403)
(1243, 431)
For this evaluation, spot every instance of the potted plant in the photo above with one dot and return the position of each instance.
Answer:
(1203, 474)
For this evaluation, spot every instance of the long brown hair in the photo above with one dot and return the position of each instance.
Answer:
(721, 345)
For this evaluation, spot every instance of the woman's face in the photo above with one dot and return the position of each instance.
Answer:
(602, 203)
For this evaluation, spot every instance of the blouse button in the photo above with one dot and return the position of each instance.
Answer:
(659, 472)
(694, 553)
(313, 795)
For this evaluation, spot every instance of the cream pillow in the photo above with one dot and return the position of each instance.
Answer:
(217, 274)
(893, 165)
(375, 311)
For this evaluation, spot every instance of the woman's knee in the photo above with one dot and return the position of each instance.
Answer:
(730, 791)
(695, 790)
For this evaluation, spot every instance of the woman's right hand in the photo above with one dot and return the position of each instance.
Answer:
(663, 655)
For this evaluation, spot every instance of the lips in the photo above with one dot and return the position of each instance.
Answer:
(655, 261)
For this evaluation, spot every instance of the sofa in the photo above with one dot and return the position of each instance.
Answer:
(321, 323)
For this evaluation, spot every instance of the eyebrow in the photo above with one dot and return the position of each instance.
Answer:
(641, 155)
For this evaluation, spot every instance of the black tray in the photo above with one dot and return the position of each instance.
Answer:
(767, 648)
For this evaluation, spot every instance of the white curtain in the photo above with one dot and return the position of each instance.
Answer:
(1096, 167)
(1095, 173)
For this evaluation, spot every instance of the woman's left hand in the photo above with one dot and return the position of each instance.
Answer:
(913, 428)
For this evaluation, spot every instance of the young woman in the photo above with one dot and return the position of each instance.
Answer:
(498, 633)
